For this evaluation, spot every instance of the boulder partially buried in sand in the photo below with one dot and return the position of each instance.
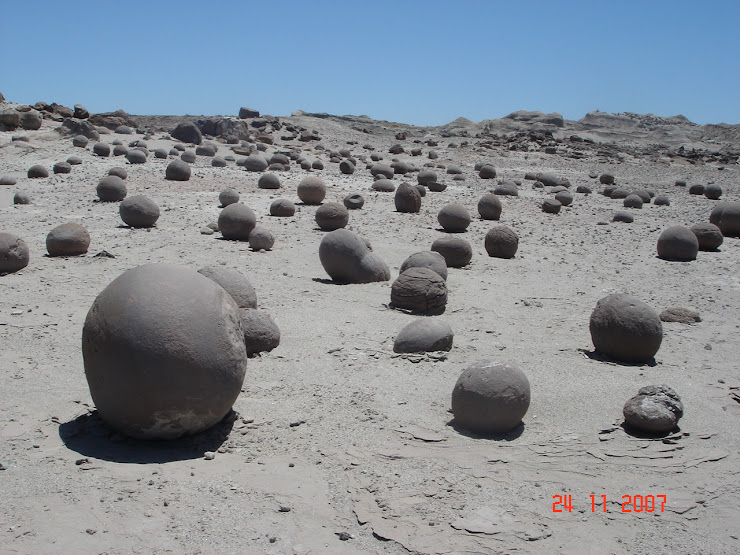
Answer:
(348, 258)
(423, 335)
(655, 409)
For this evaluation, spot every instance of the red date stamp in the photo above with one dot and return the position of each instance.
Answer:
(629, 503)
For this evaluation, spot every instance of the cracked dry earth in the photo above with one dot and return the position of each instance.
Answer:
(338, 445)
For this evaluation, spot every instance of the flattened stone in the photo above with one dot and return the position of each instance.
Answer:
(681, 315)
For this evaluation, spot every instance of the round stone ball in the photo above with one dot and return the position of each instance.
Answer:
(619, 193)
(188, 156)
(678, 243)
(656, 409)
(218, 162)
(437, 187)
(346, 167)
(234, 283)
(111, 189)
(236, 221)
(622, 216)
(709, 236)
(255, 163)
(506, 188)
(382, 169)
(177, 170)
(456, 251)
(662, 200)
(14, 254)
(102, 149)
(67, 240)
(487, 171)
(37, 171)
(426, 259)
(713, 191)
(163, 350)
(489, 207)
(136, 156)
(21, 197)
(282, 208)
(551, 206)
(696, 189)
(62, 167)
(161, 153)
(348, 258)
(331, 216)
(632, 201)
(422, 190)
(490, 397)
(424, 335)
(565, 198)
(606, 179)
(206, 149)
(383, 185)
(7, 180)
(354, 201)
(501, 242)
(583, 189)
(425, 177)
(139, 211)
(268, 181)
(119, 150)
(407, 199)
(729, 219)
(625, 328)
(261, 239)
(120, 172)
(311, 190)
(74, 160)
(420, 291)
(80, 141)
(228, 196)
(261, 333)
(454, 218)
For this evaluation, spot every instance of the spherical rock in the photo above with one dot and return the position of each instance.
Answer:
(491, 397)
(423, 335)
(37, 170)
(696, 189)
(713, 191)
(422, 190)
(177, 170)
(506, 188)
(268, 181)
(501, 242)
(261, 333)
(454, 218)
(255, 163)
(164, 352)
(311, 190)
(102, 149)
(206, 149)
(619, 193)
(236, 221)
(436, 187)
(709, 236)
(346, 167)
(551, 206)
(7, 180)
(62, 167)
(678, 243)
(139, 211)
(21, 197)
(261, 239)
(622, 216)
(120, 172)
(136, 156)
(583, 189)
(188, 156)
(67, 240)
(729, 219)
(331, 216)
(564, 197)
(236, 285)
(187, 132)
(218, 162)
(632, 201)
(457, 252)
(644, 195)
(74, 160)
(348, 258)
(407, 199)
(606, 179)
(382, 169)
(111, 189)
(419, 290)
(383, 186)
(282, 208)
(354, 201)
(14, 254)
(548, 179)
(487, 172)
(228, 196)
(426, 176)
(662, 200)
(80, 141)
(489, 207)
(625, 328)
(426, 259)
(680, 314)
(655, 409)
(120, 150)
(30, 120)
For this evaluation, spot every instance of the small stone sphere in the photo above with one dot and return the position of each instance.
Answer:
(139, 211)
(236, 221)
(67, 240)
(317, 165)
(282, 208)
(422, 190)
(228, 196)
(426, 259)
(565, 198)
(489, 207)
(206, 149)
(7, 180)
(80, 141)
(491, 397)
(62, 167)
(680, 183)
(102, 149)
(261, 239)
(74, 160)
(487, 171)
(14, 254)
(37, 171)
(218, 162)
(163, 350)
(632, 201)
(160, 153)
(420, 291)
(662, 200)
(383, 186)
(456, 251)
(425, 177)
(111, 189)
(261, 333)
(622, 216)
(331, 216)
(656, 409)
(551, 206)
(729, 219)
(437, 187)
(346, 167)
(501, 242)
(188, 156)
(619, 193)
(506, 188)
(407, 199)
(177, 170)
(454, 218)
(136, 156)
(120, 172)
(608, 190)
(311, 190)
(713, 191)
(709, 236)
(678, 243)
(268, 181)
(548, 179)
(696, 189)
(424, 335)
(21, 197)
(606, 179)
(354, 201)
(120, 150)
(236, 285)
(382, 169)
(625, 328)
(583, 189)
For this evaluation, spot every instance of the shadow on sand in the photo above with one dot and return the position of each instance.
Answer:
(508, 436)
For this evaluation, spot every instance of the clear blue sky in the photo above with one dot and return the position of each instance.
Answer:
(422, 62)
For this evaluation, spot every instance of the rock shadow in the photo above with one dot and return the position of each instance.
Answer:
(88, 435)
(508, 436)
(642, 434)
(593, 355)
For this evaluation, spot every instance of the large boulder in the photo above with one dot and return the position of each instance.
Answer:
(456, 251)
(501, 242)
(139, 211)
(407, 199)
(14, 254)
(729, 219)
(163, 350)
(187, 132)
(31, 120)
(68, 239)
(348, 258)
(248, 113)
(311, 190)
(678, 243)
(420, 291)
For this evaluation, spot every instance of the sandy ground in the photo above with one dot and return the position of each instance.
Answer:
(354, 440)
